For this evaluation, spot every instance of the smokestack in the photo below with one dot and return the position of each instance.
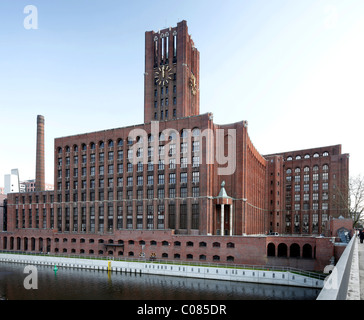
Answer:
(39, 166)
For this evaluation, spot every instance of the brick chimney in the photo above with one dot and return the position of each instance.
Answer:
(39, 166)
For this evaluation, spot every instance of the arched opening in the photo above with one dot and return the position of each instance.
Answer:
(25, 244)
(271, 250)
(282, 250)
(32, 244)
(307, 251)
(294, 250)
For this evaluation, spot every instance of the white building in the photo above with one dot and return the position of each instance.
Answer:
(11, 182)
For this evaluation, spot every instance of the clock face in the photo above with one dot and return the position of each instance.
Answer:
(163, 75)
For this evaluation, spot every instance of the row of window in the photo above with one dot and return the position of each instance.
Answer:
(106, 221)
(139, 154)
(129, 168)
(183, 134)
(308, 156)
(325, 167)
(129, 195)
(201, 244)
(306, 206)
(306, 177)
(306, 187)
(306, 197)
(130, 181)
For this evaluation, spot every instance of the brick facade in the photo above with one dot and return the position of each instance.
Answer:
(182, 187)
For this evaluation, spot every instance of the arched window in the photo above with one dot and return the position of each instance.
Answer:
(202, 257)
(120, 142)
(230, 245)
(216, 245)
(161, 137)
(111, 143)
(184, 133)
(307, 156)
(202, 244)
(230, 259)
(196, 133)
(325, 154)
(298, 157)
(289, 171)
(316, 155)
(92, 146)
(101, 144)
(289, 158)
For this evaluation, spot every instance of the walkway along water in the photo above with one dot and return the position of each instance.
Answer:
(255, 274)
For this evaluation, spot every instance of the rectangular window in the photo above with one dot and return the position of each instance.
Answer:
(120, 218)
(160, 220)
(171, 216)
(195, 192)
(150, 217)
(161, 193)
(150, 180)
(130, 182)
(150, 193)
(183, 192)
(184, 177)
(196, 177)
(183, 216)
(172, 193)
(172, 178)
(129, 217)
(140, 180)
(195, 217)
(139, 217)
(161, 179)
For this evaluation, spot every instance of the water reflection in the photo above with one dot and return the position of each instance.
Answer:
(77, 284)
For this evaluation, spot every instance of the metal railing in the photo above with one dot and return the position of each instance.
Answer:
(336, 285)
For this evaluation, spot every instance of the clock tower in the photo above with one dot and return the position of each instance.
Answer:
(172, 75)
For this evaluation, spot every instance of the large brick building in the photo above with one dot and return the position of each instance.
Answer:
(178, 186)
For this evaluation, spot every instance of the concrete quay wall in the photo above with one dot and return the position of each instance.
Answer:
(178, 270)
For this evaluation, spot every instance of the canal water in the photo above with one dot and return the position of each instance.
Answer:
(80, 284)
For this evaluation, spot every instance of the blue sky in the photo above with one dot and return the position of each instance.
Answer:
(293, 69)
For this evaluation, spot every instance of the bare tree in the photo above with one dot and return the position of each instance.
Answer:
(356, 201)
(349, 198)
